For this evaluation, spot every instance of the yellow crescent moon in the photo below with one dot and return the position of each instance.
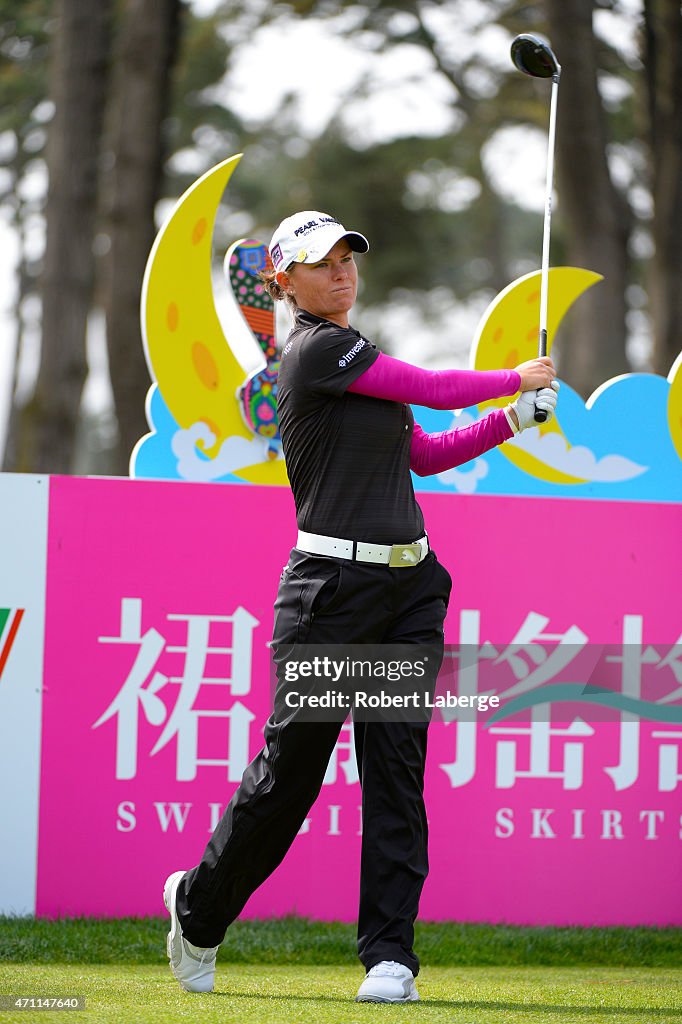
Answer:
(675, 404)
(508, 334)
(187, 352)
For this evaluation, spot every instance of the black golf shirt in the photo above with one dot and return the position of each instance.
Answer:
(347, 455)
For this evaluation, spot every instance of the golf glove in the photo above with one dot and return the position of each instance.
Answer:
(527, 402)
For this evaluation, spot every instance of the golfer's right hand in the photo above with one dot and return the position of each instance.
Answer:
(536, 373)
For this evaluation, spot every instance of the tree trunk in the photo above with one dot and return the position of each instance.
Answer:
(145, 59)
(595, 216)
(663, 64)
(21, 283)
(41, 434)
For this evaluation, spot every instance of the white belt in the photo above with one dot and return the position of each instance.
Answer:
(398, 556)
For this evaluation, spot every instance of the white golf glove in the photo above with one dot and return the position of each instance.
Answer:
(526, 404)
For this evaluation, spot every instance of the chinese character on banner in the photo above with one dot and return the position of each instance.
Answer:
(144, 682)
(532, 666)
(521, 655)
(633, 658)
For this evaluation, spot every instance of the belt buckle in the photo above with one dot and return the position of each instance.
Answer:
(405, 556)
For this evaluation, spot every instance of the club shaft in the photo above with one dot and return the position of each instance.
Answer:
(544, 277)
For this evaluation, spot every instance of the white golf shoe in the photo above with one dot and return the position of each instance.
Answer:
(192, 966)
(388, 982)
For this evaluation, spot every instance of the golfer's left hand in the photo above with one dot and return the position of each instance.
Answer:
(526, 404)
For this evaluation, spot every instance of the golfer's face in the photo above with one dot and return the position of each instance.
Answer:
(327, 288)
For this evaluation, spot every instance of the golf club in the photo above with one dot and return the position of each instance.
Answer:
(535, 57)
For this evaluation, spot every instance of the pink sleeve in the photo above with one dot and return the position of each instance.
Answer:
(436, 389)
(434, 453)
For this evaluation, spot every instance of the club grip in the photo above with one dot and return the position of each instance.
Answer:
(540, 414)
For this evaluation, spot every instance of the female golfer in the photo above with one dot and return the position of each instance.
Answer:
(361, 572)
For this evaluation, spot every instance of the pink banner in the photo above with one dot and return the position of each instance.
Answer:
(159, 611)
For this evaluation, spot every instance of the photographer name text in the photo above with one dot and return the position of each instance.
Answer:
(382, 699)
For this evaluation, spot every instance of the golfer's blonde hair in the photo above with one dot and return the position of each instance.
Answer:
(274, 288)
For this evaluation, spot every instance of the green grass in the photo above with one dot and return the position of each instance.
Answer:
(292, 970)
(298, 941)
(259, 994)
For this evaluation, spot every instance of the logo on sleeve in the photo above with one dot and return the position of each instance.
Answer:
(351, 354)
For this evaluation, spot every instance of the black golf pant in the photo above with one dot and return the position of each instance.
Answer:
(329, 601)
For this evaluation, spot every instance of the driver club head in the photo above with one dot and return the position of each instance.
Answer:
(534, 56)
